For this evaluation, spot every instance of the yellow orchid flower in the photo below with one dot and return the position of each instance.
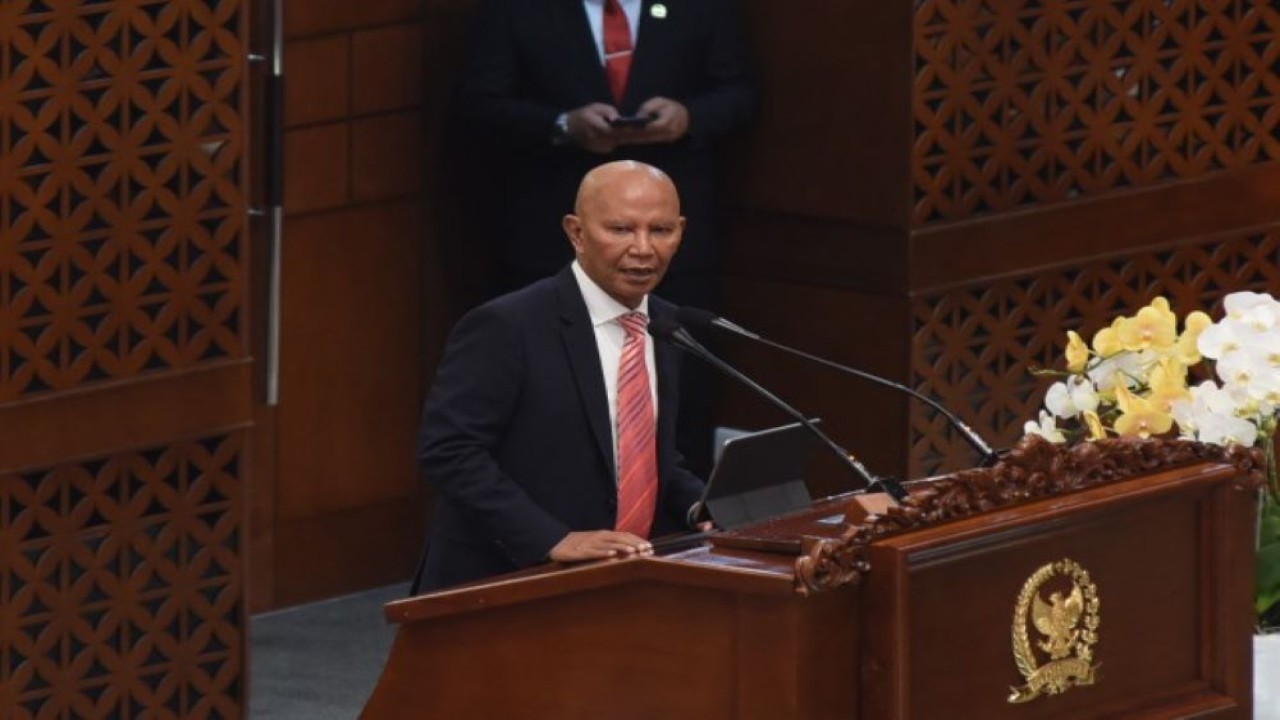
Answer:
(1140, 416)
(1168, 383)
(1188, 353)
(1155, 327)
(1077, 352)
(1094, 423)
(1106, 342)
(1161, 305)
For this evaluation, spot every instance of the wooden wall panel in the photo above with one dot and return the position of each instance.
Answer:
(835, 116)
(122, 586)
(1000, 172)
(1021, 104)
(389, 63)
(973, 345)
(309, 18)
(343, 506)
(312, 97)
(124, 358)
(350, 393)
(1082, 117)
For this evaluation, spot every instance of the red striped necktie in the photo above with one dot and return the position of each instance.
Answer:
(617, 48)
(637, 447)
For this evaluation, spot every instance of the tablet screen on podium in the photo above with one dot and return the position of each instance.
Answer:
(760, 475)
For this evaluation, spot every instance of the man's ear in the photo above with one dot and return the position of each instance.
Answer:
(572, 225)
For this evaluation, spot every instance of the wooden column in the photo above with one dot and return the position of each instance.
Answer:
(340, 507)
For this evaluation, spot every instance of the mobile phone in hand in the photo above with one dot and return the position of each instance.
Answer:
(631, 121)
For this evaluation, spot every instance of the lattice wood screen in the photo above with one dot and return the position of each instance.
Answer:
(972, 346)
(1026, 102)
(124, 600)
(122, 241)
(122, 260)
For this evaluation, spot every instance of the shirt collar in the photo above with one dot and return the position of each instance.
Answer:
(600, 306)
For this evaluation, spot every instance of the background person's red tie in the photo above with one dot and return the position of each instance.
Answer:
(637, 448)
(617, 48)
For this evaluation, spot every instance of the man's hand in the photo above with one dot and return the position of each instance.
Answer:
(589, 127)
(670, 123)
(596, 544)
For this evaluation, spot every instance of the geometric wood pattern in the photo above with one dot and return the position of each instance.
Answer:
(973, 346)
(122, 591)
(122, 240)
(122, 268)
(1021, 102)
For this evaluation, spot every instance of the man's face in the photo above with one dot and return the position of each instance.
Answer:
(625, 233)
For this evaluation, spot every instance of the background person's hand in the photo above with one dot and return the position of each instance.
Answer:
(670, 123)
(589, 127)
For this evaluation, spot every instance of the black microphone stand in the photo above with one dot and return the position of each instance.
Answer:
(681, 338)
(703, 318)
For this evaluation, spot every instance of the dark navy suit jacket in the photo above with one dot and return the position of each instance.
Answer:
(516, 436)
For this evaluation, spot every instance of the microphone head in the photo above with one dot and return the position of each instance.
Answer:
(696, 317)
(663, 327)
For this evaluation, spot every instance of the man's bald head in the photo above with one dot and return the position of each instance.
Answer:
(625, 228)
(606, 178)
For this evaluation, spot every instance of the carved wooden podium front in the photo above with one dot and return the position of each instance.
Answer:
(1110, 579)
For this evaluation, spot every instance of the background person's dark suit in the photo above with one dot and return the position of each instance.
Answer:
(531, 60)
(516, 436)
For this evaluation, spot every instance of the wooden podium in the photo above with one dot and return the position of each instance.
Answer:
(1143, 549)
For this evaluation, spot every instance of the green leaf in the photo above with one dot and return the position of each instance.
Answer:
(1269, 532)
(1264, 601)
(1268, 577)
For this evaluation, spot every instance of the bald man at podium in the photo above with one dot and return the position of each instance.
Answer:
(549, 434)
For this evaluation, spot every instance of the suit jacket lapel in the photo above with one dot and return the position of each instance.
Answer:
(651, 38)
(571, 21)
(584, 358)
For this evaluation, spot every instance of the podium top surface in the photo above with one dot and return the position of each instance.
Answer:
(814, 550)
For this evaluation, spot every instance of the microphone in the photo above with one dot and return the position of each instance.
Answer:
(697, 318)
(671, 331)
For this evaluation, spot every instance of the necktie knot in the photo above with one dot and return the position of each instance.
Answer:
(634, 323)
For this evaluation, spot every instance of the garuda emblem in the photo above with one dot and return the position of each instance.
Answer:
(1067, 628)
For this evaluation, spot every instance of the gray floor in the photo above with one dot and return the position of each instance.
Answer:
(319, 661)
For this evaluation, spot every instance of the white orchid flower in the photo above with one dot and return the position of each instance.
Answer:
(1257, 309)
(1069, 398)
(1251, 373)
(1220, 340)
(1046, 428)
(1226, 430)
(1122, 369)
(1219, 415)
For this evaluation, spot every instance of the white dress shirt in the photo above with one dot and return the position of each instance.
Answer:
(604, 312)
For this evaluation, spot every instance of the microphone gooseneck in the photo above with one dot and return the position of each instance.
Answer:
(671, 331)
(698, 318)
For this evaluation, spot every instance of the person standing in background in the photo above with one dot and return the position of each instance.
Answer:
(544, 86)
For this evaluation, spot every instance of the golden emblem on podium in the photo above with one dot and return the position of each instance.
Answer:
(1067, 626)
